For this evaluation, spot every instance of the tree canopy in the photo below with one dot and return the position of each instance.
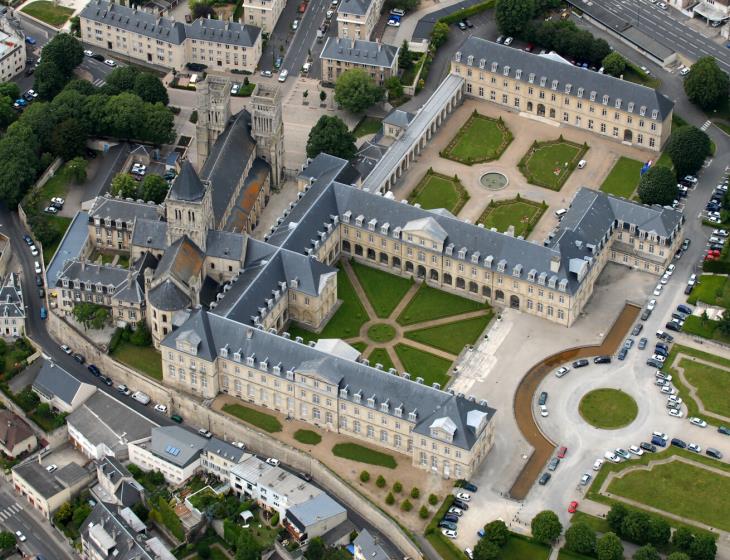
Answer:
(486, 550)
(439, 34)
(658, 186)
(647, 552)
(7, 540)
(355, 90)
(150, 88)
(546, 527)
(331, 136)
(69, 139)
(124, 185)
(154, 188)
(497, 532)
(687, 147)
(707, 85)
(91, 315)
(614, 64)
(609, 547)
(513, 16)
(581, 538)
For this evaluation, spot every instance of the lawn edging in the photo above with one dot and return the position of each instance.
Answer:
(523, 164)
(463, 195)
(495, 204)
(507, 137)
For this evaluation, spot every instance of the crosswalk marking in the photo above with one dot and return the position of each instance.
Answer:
(98, 82)
(10, 511)
(706, 125)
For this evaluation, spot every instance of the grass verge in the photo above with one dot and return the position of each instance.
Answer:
(623, 178)
(430, 303)
(433, 369)
(307, 437)
(452, 337)
(361, 454)
(142, 358)
(266, 422)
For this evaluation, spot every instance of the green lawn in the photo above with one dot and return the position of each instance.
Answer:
(712, 289)
(712, 384)
(522, 214)
(452, 337)
(705, 328)
(361, 454)
(48, 12)
(381, 332)
(380, 356)
(60, 224)
(598, 524)
(266, 422)
(430, 303)
(480, 139)
(385, 291)
(623, 178)
(565, 554)
(307, 437)
(346, 321)
(368, 125)
(688, 491)
(432, 368)
(56, 186)
(664, 161)
(549, 164)
(521, 548)
(142, 358)
(361, 346)
(635, 74)
(439, 191)
(608, 409)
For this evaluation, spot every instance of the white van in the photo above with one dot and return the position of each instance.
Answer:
(306, 67)
(193, 78)
(141, 397)
(560, 213)
(582, 163)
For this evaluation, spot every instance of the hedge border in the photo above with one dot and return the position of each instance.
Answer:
(522, 165)
(507, 138)
(462, 192)
(494, 204)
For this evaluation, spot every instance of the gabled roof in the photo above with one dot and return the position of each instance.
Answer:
(183, 260)
(399, 118)
(313, 511)
(150, 234)
(123, 210)
(356, 51)
(11, 298)
(354, 7)
(187, 186)
(166, 296)
(54, 381)
(13, 429)
(226, 32)
(427, 225)
(369, 546)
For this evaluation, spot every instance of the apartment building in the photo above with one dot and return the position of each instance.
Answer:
(138, 35)
(262, 13)
(561, 93)
(12, 309)
(380, 61)
(12, 51)
(356, 19)
(47, 491)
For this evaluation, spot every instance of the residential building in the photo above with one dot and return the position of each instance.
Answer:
(12, 308)
(356, 19)
(61, 390)
(262, 13)
(16, 436)
(116, 485)
(715, 12)
(137, 35)
(564, 94)
(314, 517)
(103, 427)
(47, 491)
(113, 531)
(179, 454)
(378, 60)
(12, 51)
(366, 547)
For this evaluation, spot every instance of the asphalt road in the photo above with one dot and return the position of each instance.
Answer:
(667, 27)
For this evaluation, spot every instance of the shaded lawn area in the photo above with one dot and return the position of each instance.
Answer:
(385, 291)
(361, 346)
(566, 554)
(518, 213)
(705, 328)
(346, 321)
(307, 437)
(48, 12)
(452, 337)
(266, 422)
(60, 224)
(361, 454)
(623, 178)
(480, 139)
(712, 289)
(433, 369)
(368, 125)
(56, 186)
(598, 524)
(685, 490)
(520, 548)
(635, 74)
(439, 191)
(712, 384)
(664, 161)
(430, 303)
(142, 358)
(548, 157)
(380, 356)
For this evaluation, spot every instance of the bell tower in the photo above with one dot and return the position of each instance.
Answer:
(267, 129)
(214, 110)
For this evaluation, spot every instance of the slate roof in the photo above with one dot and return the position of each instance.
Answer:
(370, 53)
(313, 511)
(369, 547)
(166, 438)
(225, 244)
(11, 297)
(54, 381)
(151, 234)
(354, 7)
(577, 78)
(13, 429)
(254, 183)
(183, 260)
(399, 118)
(49, 484)
(226, 32)
(166, 296)
(120, 209)
(70, 247)
(187, 185)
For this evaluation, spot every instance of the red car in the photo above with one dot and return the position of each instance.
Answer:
(529, 47)
(572, 507)
(562, 452)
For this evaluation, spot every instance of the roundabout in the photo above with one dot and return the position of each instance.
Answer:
(608, 409)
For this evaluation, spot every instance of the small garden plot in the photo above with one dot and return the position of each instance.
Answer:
(549, 164)
(439, 191)
(481, 139)
(520, 213)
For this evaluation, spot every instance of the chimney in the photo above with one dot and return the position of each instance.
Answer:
(554, 264)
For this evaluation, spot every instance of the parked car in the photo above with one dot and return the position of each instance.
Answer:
(642, 343)
(712, 452)
(18, 534)
(698, 422)
(161, 408)
(544, 411)
(656, 440)
(66, 349)
(572, 507)
(543, 398)
(463, 496)
(553, 464)
(206, 434)
(694, 447)
(676, 442)
(648, 447)
(273, 462)
(636, 450)
(450, 518)
(508, 41)
(283, 75)
(597, 464)
(562, 452)
(110, 62)
(636, 331)
(562, 371)
(95, 371)
(79, 358)
(544, 479)
(585, 479)
(580, 363)
(602, 360)
(724, 430)
(449, 533)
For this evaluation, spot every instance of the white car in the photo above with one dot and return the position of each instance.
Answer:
(715, 239)
(205, 433)
(684, 71)
(463, 496)
(508, 41)
(611, 456)
(692, 279)
(669, 390)
(664, 279)
(21, 536)
(714, 220)
(690, 179)
(662, 5)
(598, 464)
(273, 462)
(34, 250)
(51, 210)
(651, 305)
(449, 533)
(585, 479)
(658, 358)
(37, 267)
(58, 200)
(295, 24)
(636, 450)
(161, 408)
(670, 269)
(562, 371)
(675, 399)
(674, 412)
(88, 53)
(455, 511)
(234, 89)
(66, 349)
(660, 435)
(543, 411)
(238, 444)
(469, 553)
(658, 290)
(283, 75)
(329, 14)
(698, 422)
(110, 62)
(394, 22)
(694, 447)
(51, 468)
(720, 233)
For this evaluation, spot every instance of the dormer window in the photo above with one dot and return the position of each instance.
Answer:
(501, 265)
(654, 114)
(346, 217)
(543, 81)
(357, 396)
(236, 356)
(563, 285)
(617, 104)
(630, 108)
(494, 66)
(384, 407)
(264, 365)
(290, 374)
(518, 74)
(343, 393)
(580, 92)
(413, 415)
(371, 401)
(65, 282)
(505, 71)
(384, 228)
(642, 110)
(450, 249)
(488, 261)
(475, 257)
(398, 411)
(531, 78)
(605, 99)
(554, 85)
(372, 223)
(593, 96)
(531, 275)
(568, 87)
(482, 62)
(470, 60)
(457, 56)
(517, 270)
(251, 360)
(359, 220)
(224, 352)
(462, 253)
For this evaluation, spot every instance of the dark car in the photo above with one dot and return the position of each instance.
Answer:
(95, 371)
(450, 518)
(38, 280)
(648, 447)
(79, 358)
(553, 464)
(642, 343)
(712, 452)
(41, 293)
(661, 351)
(448, 525)
(462, 25)
(645, 314)
(656, 440)
(580, 363)
(107, 380)
(543, 398)
(544, 479)
(500, 39)
(724, 430)
(654, 363)
(637, 329)
(98, 57)
(177, 418)
(676, 442)
(622, 354)
(468, 23)
(278, 62)
(461, 504)
(468, 486)
(688, 290)
(663, 346)
(684, 309)
(672, 326)
(602, 360)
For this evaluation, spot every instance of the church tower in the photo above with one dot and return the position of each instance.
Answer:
(214, 110)
(189, 208)
(267, 129)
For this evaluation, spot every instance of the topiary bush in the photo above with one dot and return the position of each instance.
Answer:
(406, 505)
(397, 487)
(390, 499)
(364, 476)
(433, 499)
(423, 512)
(380, 481)
(415, 493)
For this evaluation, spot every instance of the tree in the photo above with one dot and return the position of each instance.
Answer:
(614, 64)
(658, 186)
(9, 89)
(513, 15)
(364, 476)
(7, 113)
(704, 547)
(397, 487)
(77, 169)
(609, 547)
(159, 124)
(394, 87)
(7, 540)
(706, 85)
(19, 150)
(63, 514)
(439, 34)
(65, 51)
(724, 324)
(678, 556)
(154, 188)
(546, 527)
(125, 115)
(355, 90)
(330, 135)
(390, 499)
(322, 96)
(248, 549)
(69, 139)
(149, 88)
(423, 512)
(80, 514)
(486, 550)
(124, 185)
(497, 532)
(76, 26)
(581, 538)
(687, 147)
(659, 531)
(122, 78)
(82, 86)
(316, 549)
(49, 80)
(405, 56)
(635, 527)
(415, 493)
(202, 10)
(380, 481)
(100, 318)
(68, 104)
(647, 552)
